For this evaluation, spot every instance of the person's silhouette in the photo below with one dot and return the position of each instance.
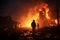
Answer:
(33, 25)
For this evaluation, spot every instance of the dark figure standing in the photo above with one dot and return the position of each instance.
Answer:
(33, 25)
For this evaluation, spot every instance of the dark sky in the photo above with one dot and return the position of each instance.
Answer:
(12, 7)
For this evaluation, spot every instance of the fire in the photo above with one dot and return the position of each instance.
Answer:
(47, 16)
(30, 17)
(56, 21)
(34, 14)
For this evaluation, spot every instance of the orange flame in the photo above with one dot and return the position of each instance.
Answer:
(56, 21)
(33, 14)
(47, 16)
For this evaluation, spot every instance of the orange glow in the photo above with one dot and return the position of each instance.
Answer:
(30, 17)
(47, 16)
(56, 21)
(34, 14)
(47, 12)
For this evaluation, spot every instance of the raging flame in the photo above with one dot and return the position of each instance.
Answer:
(34, 13)
(30, 17)
(47, 16)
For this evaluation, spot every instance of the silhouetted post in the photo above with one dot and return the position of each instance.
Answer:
(33, 25)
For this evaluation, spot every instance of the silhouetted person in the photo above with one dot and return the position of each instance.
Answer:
(33, 25)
